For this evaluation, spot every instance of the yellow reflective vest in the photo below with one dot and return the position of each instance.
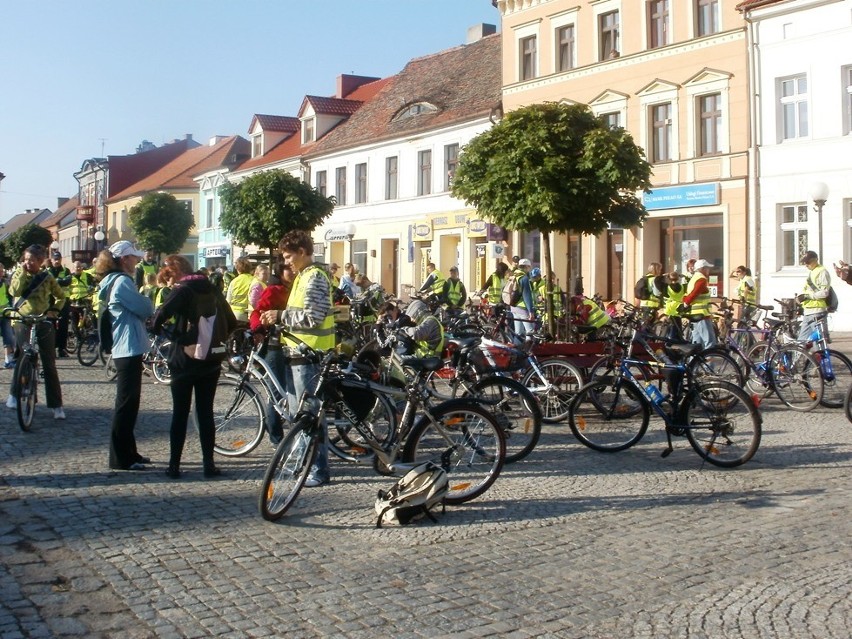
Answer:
(321, 337)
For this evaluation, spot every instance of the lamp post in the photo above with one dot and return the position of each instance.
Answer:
(819, 195)
(99, 239)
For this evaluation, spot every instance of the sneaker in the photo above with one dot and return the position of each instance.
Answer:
(58, 413)
(318, 479)
(11, 402)
(9, 365)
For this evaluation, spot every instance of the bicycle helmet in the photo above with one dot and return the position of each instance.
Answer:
(416, 310)
(536, 272)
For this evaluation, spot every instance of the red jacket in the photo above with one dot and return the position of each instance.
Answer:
(274, 297)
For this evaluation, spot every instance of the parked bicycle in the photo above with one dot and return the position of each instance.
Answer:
(459, 435)
(155, 361)
(719, 419)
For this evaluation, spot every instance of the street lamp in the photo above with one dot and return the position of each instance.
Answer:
(819, 195)
(99, 239)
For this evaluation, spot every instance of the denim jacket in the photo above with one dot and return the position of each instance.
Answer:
(129, 310)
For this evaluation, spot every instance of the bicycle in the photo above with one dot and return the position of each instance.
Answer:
(720, 421)
(835, 367)
(27, 369)
(155, 360)
(459, 435)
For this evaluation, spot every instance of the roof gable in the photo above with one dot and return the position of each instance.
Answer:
(278, 123)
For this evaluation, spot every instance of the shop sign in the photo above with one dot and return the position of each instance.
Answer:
(216, 251)
(476, 228)
(422, 232)
(340, 234)
(496, 233)
(677, 197)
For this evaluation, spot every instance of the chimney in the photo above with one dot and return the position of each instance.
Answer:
(479, 31)
(60, 201)
(346, 84)
(188, 137)
(216, 139)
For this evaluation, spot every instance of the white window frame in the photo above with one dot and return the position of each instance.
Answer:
(521, 32)
(705, 83)
(846, 84)
(322, 185)
(391, 178)
(797, 99)
(557, 22)
(424, 183)
(794, 227)
(309, 130)
(340, 192)
(659, 93)
(611, 102)
(257, 145)
(605, 7)
(360, 183)
(209, 214)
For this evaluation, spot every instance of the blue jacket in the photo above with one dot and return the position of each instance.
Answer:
(129, 310)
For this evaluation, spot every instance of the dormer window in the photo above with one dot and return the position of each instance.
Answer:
(413, 110)
(308, 130)
(257, 145)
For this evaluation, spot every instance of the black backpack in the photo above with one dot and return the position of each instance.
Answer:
(206, 338)
(105, 318)
(641, 290)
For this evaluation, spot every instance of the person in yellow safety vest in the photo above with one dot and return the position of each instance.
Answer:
(434, 284)
(147, 265)
(238, 289)
(813, 297)
(333, 269)
(427, 332)
(493, 288)
(696, 303)
(309, 316)
(747, 292)
(5, 322)
(63, 277)
(588, 314)
(673, 288)
(539, 289)
(258, 283)
(79, 293)
(453, 293)
(649, 296)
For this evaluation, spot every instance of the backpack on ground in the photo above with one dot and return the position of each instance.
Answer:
(414, 496)
(206, 338)
(641, 290)
(105, 318)
(511, 293)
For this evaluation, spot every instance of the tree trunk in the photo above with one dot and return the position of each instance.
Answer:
(548, 285)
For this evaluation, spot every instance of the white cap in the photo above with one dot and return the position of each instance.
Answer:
(524, 262)
(124, 248)
(702, 264)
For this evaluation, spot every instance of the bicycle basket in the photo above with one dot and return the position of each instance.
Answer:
(495, 356)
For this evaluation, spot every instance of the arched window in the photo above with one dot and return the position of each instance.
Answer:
(415, 109)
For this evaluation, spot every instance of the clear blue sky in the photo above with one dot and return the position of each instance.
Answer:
(81, 80)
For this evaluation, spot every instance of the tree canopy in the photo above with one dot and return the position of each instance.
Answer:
(12, 248)
(263, 207)
(160, 222)
(555, 168)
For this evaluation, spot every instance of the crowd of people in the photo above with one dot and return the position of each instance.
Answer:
(298, 294)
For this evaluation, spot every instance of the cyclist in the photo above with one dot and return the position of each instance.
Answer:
(453, 292)
(5, 322)
(434, 283)
(39, 292)
(493, 287)
(63, 277)
(79, 292)
(146, 266)
(813, 297)
(310, 317)
(747, 292)
(697, 302)
(427, 332)
(238, 290)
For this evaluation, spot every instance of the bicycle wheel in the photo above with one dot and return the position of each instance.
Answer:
(160, 362)
(286, 474)
(440, 382)
(88, 349)
(554, 388)
(71, 342)
(722, 423)
(373, 412)
(758, 382)
(239, 415)
(836, 379)
(111, 370)
(715, 363)
(26, 374)
(465, 440)
(847, 404)
(604, 416)
(607, 368)
(515, 409)
(796, 378)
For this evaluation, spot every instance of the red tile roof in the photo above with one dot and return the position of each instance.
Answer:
(754, 4)
(331, 106)
(464, 83)
(125, 170)
(367, 91)
(289, 147)
(280, 123)
(61, 212)
(179, 173)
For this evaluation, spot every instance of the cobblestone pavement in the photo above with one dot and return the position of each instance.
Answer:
(570, 543)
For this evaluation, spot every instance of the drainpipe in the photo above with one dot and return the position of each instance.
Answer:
(754, 209)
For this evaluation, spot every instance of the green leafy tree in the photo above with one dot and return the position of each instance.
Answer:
(265, 206)
(557, 168)
(160, 222)
(13, 246)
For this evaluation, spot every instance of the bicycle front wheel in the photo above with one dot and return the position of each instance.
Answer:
(609, 415)
(847, 404)
(836, 375)
(26, 373)
(160, 362)
(554, 388)
(465, 440)
(515, 409)
(88, 349)
(796, 378)
(111, 370)
(713, 364)
(286, 474)
(722, 423)
(239, 415)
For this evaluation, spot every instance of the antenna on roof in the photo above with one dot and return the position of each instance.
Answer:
(103, 141)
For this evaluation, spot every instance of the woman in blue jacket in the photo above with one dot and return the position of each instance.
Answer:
(129, 310)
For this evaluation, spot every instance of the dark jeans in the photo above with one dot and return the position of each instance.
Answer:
(128, 393)
(203, 382)
(46, 337)
(62, 328)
